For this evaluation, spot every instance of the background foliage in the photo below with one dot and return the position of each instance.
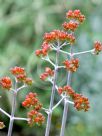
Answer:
(22, 24)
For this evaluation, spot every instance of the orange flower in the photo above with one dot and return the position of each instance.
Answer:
(35, 118)
(72, 25)
(71, 65)
(97, 47)
(6, 83)
(48, 73)
(80, 102)
(76, 14)
(17, 70)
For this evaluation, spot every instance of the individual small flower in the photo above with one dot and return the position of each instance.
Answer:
(35, 117)
(48, 73)
(38, 52)
(28, 81)
(76, 14)
(97, 47)
(6, 83)
(17, 71)
(2, 125)
(72, 25)
(21, 77)
(71, 65)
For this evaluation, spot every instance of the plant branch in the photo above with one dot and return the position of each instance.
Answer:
(5, 112)
(83, 52)
(13, 110)
(21, 87)
(18, 118)
(52, 94)
(64, 118)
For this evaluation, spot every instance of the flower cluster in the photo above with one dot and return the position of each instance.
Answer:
(48, 73)
(72, 25)
(21, 75)
(80, 102)
(2, 125)
(76, 14)
(44, 51)
(97, 47)
(6, 83)
(59, 35)
(35, 117)
(31, 101)
(71, 65)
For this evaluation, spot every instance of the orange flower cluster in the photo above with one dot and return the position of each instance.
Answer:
(59, 35)
(48, 73)
(44, 51)
(72, 25)
(31, 101)
(35, 118)
(71, 65)
(80, 102)
(21, 75)
(76, 14)
(97, 47)
(6, 83)
(2, 125)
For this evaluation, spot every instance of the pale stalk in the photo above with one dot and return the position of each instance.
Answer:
(52, 94)
(13, 110)
(64, 118)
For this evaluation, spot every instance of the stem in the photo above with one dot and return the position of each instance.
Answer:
(21, 87)
(52, 94)
(17, 118)
(5, 112)
(83, 52)
(64, 118)
(58, 103)
(13, 111)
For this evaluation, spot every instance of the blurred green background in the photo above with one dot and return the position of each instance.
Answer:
(22, 24)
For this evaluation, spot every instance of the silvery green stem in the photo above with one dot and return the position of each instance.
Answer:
(5, 112)
(64, 118)
(13, 111)
(52, 94)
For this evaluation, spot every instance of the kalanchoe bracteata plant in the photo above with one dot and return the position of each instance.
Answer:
(21, 81)
(56, 41)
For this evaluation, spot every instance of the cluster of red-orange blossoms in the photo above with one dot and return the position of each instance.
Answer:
(76, 14)
(35, 117)
(6, 83)
(21, 75)
(71, 65)
(80, 102)
(97, 47)
(48, 73)
(72, 25)
(59, 35)
(31, 101)
(44, 51)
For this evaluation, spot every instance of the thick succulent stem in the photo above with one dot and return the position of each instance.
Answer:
(65, 112)
(52, 94)
(13, 111)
